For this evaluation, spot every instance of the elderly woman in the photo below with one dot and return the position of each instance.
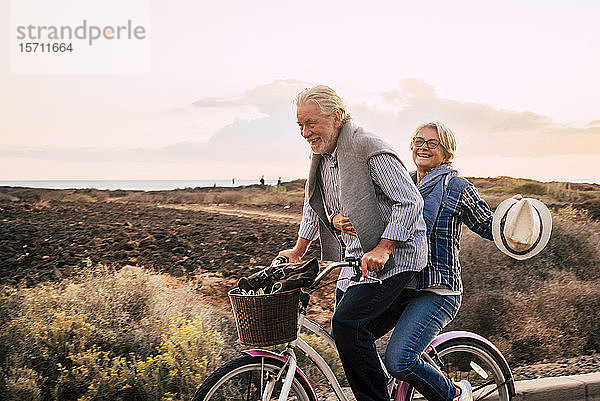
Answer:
(433, 298)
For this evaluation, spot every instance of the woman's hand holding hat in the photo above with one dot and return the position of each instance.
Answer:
(521, 227)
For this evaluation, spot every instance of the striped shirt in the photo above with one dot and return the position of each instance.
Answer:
(400, 205)
(443, 269)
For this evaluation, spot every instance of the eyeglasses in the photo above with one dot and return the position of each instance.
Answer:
(431, 143)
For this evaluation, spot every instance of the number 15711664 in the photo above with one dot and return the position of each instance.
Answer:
(36, 47)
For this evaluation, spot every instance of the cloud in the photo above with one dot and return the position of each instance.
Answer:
(270, 138)
(480, 129)
(420, 100)
(88, 154)
(270, 99)
(217, 102)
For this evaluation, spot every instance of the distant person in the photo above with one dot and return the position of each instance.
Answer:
(279, 181)
(262, 180)
(355, 173)
(434, 295)
(232, 181)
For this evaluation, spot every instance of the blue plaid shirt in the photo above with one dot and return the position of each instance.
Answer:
(443, 269)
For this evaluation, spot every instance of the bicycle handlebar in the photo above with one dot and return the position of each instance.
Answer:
(352, 262)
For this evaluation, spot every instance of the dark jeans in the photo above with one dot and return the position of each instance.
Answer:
(366, 312)
(351, 328)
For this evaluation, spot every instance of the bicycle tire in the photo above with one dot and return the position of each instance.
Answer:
(240, 380)
(459, 355)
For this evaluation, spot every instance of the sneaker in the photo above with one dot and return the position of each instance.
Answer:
(466, 392)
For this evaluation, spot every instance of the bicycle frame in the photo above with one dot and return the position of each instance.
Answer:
(322, 365)
(311, 353)
(398, 389)
(401, 388)
(288, 357)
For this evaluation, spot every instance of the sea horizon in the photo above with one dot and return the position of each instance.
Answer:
(165, 185)
(131, 185)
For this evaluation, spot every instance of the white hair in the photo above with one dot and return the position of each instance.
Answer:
(326, 98)
(447, 139)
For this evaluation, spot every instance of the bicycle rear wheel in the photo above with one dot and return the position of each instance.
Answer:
(467, 359)
(246, 378)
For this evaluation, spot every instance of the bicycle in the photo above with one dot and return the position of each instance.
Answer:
(262, 374)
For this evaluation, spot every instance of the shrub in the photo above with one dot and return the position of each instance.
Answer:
(557, 319)
(188, 353)
(530, 188)
(538, 308)
(118, 304)
(45, 344)
(107, 335)
(22, 385)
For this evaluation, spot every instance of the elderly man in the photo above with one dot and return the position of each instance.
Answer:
(353, 173)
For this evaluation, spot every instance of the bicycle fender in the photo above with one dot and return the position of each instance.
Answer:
(259, 353)
(451, 335)
(401, 393)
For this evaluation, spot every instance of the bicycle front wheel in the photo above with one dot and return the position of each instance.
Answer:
(247, 378)
(467, 359)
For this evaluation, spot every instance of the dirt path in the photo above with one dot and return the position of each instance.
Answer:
(229, 210)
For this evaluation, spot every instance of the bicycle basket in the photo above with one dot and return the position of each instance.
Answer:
(268, 319)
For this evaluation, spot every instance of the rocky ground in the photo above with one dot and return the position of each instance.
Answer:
(48, 240)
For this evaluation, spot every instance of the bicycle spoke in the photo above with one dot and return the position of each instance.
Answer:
(262, 374)
(495, 389)
(249, 386)
(250, 379)
(486, 394)
(466, 360)
(476, 388)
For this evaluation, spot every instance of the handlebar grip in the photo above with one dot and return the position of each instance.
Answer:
(280, 260)
(355, 264)
(358, 276)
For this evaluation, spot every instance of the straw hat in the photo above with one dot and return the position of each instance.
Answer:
(521, 228)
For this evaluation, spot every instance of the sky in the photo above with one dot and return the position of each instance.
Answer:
(208, 93)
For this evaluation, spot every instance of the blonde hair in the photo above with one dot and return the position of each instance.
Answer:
(326, 98)
(447, 139)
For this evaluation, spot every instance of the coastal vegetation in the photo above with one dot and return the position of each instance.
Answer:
(105, 295)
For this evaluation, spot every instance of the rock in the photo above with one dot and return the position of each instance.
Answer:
(124, 245)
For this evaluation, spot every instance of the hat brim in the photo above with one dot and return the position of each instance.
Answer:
(546, 227)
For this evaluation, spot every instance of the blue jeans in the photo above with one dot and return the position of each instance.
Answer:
(368, 311)
(423, 315)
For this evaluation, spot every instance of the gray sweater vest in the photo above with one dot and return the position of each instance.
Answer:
(355, 147)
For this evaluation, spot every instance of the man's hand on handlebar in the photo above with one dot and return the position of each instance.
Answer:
(292, 254)
(375, 259)
(295, 254)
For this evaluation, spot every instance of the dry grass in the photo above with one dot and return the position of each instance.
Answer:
(549, 192)
(544, 307)
(495, 189)
(539, 308)
(106, 334)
